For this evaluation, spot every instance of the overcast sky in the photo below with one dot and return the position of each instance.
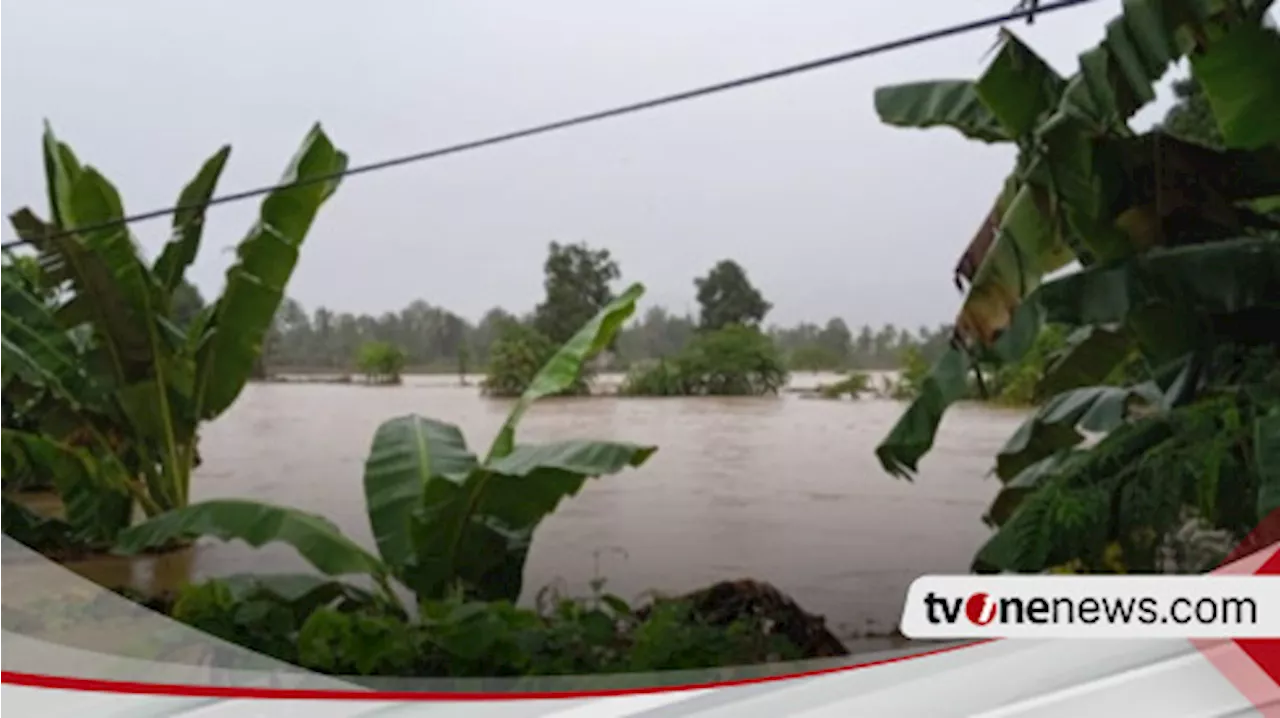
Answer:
(830, 212)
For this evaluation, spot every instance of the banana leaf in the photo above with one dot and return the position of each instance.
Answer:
(1057, 425)
(408, 452)
(912, 436)
(1238, 73)
(255, 283)
(563, 368)
(1091, 355)
(1027, 247)
(1215, 278)
(257, 524)
(1075, 179)
(947, 382)
(188, 222)
(61, 171)
(1018, 87)
(939, 103)
(36, 348)
(299, 593)
(479, 531)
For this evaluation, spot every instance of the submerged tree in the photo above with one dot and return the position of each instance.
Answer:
(381, 362)
(727, 297)
(577, 283)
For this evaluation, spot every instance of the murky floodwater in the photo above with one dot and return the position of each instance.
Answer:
(785, 490)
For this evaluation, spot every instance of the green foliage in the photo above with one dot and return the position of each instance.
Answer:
(445, 521)
(381, 362)
(735, 360)
(105, 355)
(1017, 384)
(853, 385)
(727, 297)
(911, 378)
(1191, 119)
(461, 638)
(515, 358)
(577, 285)
(47, 535)
(1175, 301)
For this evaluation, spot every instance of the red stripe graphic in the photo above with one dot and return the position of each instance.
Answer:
(192, 691)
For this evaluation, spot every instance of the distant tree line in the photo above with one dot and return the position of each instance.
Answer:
(578, 280)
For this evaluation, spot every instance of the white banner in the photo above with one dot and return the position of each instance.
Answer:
(1093, 607)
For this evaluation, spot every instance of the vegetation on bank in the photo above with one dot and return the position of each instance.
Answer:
(1166, 332)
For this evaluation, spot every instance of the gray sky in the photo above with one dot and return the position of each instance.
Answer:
(829, 211)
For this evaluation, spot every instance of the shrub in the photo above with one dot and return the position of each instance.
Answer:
(381, 362)
(734, 361)
(515, 358)
(461, 638)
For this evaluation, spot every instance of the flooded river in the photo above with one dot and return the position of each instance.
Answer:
(785, 490)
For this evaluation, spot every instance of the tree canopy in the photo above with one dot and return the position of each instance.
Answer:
(727, 297)
(577, 285)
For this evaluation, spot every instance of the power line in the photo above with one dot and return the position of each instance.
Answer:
(1026, 10)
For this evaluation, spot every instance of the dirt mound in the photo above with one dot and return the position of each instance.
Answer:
(729, 601)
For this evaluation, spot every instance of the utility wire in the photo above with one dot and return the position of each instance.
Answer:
(1026, 10)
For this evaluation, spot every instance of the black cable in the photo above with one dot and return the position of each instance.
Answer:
(1027, 12)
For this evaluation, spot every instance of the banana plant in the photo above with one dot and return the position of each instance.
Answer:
(443, 518)
(1074, 195)
(118, 386)
(1176, 253)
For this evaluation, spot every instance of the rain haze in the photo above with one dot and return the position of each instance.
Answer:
(831, 212)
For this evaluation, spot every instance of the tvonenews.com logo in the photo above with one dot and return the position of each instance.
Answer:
(1101, 606)
(982, 609)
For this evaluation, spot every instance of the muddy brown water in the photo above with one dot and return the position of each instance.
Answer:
(785, 490)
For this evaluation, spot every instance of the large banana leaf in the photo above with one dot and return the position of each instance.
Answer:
(255, 283)
(302, 592)
(1057, 425)
(1028, 245)
(939, 103)
(479, 531)
(257, 524)
(1216, 278)
(1018, 87)
(1092, 353)
(563, 368)
(947, 382)
(1238, 73)
(409, 452)
(188, 222)
(36, 348)
(912, 435)
(97, 275)
(61, 170)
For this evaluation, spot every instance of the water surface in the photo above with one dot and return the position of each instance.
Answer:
(784, 489)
